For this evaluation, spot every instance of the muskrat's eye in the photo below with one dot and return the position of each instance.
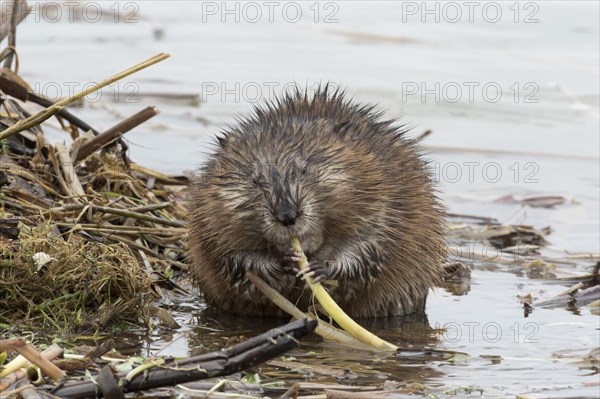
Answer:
(305, 169)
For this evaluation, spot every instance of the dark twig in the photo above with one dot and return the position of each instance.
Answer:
(19, 92)
(43, 115)
(249, 353)
(115, 132)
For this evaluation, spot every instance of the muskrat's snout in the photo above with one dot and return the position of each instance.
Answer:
(286, 213)
(286, 203)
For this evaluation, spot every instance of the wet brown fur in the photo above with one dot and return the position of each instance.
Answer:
(366, 199)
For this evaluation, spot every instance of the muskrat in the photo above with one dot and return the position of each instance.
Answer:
(349, 185)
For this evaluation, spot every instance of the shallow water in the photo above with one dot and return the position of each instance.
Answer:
(539, 137)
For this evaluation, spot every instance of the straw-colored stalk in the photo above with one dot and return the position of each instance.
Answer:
(324, 329)
(46, 113)
(333, 309)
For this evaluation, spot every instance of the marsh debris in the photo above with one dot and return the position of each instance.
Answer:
(113, 376)
(87, 235)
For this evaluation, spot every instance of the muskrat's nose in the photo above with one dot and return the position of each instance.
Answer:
(287, 216)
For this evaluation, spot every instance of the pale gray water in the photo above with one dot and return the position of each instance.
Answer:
(382, 52)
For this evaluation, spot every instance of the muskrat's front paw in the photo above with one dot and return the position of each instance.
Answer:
(317, 271)
(289, 262)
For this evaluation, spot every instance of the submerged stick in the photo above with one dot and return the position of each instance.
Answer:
(41, 116)
(227, 361)
(334, 310)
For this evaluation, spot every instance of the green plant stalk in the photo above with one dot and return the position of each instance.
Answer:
(334, 310)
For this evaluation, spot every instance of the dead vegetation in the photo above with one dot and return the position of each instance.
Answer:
(54, 282)
(86, 235)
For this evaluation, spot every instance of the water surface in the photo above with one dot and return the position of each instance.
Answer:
(539, 137)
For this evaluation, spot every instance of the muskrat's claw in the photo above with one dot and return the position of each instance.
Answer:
(317, 271)
(289, 261)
